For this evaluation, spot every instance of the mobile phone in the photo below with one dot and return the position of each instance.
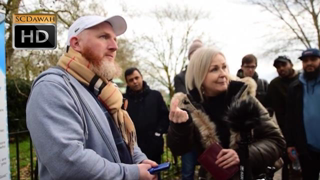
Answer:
(160, 167)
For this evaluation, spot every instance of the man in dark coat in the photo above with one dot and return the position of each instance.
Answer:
(148, 112)
(278, 88)
(303, 116)
(248, 69)
(277, 96)
(179, 79)
(189, 159)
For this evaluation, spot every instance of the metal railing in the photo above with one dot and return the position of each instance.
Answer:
(167, 156)
(16, 136)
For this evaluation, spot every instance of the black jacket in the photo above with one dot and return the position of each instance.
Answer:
(180, 82)
(204, 127)
(277, 96)
(294, 126)
(150, 115)
(262, 86)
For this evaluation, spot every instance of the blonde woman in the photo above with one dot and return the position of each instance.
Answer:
(198, 118)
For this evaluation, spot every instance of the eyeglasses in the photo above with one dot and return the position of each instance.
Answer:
(250, 67)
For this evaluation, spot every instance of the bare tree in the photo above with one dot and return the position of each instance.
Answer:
(300, 19)
(66, 11)
(125, 56)
(11, 7)
(28, 64)
(165, 49)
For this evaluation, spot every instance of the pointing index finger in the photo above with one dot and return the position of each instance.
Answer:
(174, 105)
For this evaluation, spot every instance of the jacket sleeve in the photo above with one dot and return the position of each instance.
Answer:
(163, 120)
(263, 96)
(138, 155)
(269, 99)
(179, 86)
(270, 94)
(181, 137)
(57, 131)
(290, 112)
(266, 84)
(268, 144)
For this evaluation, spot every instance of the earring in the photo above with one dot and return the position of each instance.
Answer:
(202, 90)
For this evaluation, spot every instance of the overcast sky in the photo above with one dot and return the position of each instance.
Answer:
(236, 27)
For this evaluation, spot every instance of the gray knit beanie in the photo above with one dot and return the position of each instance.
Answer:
(196, 44)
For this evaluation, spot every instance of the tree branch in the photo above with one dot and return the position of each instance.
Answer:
(21, 93)
(297, 23)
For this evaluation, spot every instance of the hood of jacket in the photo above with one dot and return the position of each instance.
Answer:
(140, 94)
(241, 75)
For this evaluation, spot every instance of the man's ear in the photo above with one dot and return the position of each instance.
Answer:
(74, 43)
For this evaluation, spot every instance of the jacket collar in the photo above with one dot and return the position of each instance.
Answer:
(195, 94)
(241, 75)
(144, 92)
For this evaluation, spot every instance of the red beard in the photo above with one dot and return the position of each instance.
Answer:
(91, 56)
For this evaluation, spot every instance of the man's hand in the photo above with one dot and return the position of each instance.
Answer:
(289, 151)
(144, 173)
(227, 158)
(176, 114)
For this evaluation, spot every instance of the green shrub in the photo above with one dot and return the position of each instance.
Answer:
(17, 96)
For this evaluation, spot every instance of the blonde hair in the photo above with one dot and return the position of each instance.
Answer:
(198, 68)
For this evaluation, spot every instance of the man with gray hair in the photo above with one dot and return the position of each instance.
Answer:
(74, 112)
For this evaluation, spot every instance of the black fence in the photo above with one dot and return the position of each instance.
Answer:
(23, 135)
(16, 137)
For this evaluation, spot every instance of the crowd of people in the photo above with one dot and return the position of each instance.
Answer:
(83, 127)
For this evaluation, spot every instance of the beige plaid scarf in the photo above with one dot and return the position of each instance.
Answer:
(110, 96)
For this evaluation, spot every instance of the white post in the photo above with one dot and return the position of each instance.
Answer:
(4, 142)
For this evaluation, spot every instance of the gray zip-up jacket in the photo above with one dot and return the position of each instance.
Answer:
(71, 133)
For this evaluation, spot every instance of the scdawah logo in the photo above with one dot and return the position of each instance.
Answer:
(34, 18)
(34, 31)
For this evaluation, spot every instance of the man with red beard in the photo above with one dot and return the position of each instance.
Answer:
(303, 116)
(74, 112)
(277, 96)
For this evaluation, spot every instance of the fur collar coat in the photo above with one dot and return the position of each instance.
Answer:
(200, 130)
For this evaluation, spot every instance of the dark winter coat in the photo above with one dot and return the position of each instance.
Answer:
(262, 86)
(201, 129)
(180, 82)
(150, 115)
(294, 126)
(277, 97)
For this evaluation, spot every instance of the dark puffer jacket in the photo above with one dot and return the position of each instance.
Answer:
(150, 115)
(277, 96)
(179, 82)
(294, 126)
(268, 142)
(262, 86)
